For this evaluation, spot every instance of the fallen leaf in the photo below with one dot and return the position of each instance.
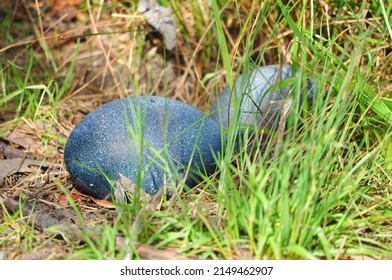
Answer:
(150, 253)
(63, 202)
(103, 203)
(8, 152)
(145, 5)
(66, 216)
(125, 185)
(76, 195)
(22, 139)
(41, 254)
(21, 165)
(160, 18)
(29, 137)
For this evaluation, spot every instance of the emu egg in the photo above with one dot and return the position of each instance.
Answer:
(259, 102)
(148, 139)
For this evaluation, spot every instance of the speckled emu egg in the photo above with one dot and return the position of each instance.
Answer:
(260, 104)
(149, 139)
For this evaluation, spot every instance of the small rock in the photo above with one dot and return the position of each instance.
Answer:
(259, 105)
(150, 140)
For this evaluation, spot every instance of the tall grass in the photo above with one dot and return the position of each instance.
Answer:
(316, 197)
(321, 190)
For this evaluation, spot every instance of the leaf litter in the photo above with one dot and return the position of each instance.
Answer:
(99, 75)
(31, 165)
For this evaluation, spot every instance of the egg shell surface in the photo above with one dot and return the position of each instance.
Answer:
(149, 139)
(260, 104)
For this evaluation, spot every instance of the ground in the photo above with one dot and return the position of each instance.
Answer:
(60, 60)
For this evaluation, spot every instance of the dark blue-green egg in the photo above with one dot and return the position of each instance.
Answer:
(150, 140)
(259, 97)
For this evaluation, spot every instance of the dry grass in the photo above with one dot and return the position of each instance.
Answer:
(129, 59)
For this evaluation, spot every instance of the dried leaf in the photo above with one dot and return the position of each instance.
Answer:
(150, 253)
(159, 18)
(123, 185)
(29, 137)
(8, 152)
(63, 202)
(22, 165)
(76, 195)
(103, 203)
(22, 139)
(41, 254)
(66, 216)
(145, 5)
(126, 184)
